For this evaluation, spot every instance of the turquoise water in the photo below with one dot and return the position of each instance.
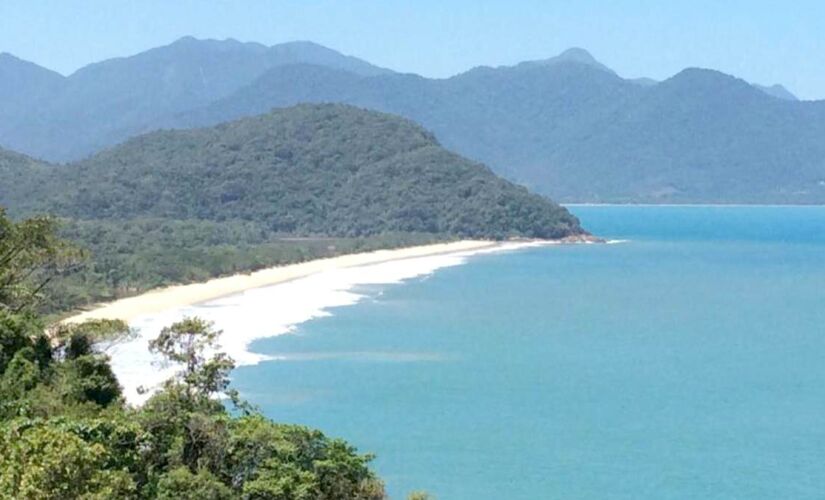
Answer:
(688, 362)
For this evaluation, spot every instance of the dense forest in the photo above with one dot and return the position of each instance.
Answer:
(329, 170)
(295, 184)
(127, 257)
(66, 432)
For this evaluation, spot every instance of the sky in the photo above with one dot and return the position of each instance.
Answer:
(761, 41)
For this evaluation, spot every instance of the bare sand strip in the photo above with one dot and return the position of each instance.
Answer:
(173, 297)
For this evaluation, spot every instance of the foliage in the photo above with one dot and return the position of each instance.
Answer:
(46, 460)
(30, 256)
(77, 338)
(66, 433)
(181, 484)
(188, 343)
(129, 257)
(39, 374)
(20, 176)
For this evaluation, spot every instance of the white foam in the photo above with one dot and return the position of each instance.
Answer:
(269, 311)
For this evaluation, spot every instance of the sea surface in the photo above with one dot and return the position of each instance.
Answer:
(687, 362)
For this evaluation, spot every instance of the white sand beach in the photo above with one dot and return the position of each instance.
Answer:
(164, 299)
(267, 303)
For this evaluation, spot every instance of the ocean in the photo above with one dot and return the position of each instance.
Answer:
(685, 361)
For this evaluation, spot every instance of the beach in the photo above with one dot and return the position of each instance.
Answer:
(266, 303)
(163, 299)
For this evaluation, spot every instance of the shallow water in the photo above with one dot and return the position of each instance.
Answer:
(688, 362)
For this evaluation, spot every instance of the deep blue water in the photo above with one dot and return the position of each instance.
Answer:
(686, 363)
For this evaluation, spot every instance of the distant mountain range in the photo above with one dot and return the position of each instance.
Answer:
(59, 119)
(777, 91)
(568, 126)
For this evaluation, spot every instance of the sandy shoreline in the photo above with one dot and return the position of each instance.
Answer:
(177, 296)
(268, 303)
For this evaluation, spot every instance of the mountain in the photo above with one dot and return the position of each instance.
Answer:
(573, 55)
(485, 113)
(329, 170)
(105, 103)
(777, 91)
(20, 177)
(644, 81)
(24, 86)
(22, 81)
(578, 133)
(567, 127)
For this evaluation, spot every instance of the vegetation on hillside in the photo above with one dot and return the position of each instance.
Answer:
(66, 433)
(328, 170)
(20, 178)
(132, 256)
(295, 184)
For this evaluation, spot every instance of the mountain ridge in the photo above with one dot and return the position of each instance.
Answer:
(546, 126)
(777, 90)
(106, 102)
(567, 126)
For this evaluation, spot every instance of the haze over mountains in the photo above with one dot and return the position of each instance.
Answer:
(568, 126)
(59, 119)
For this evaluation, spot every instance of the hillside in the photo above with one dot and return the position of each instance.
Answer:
(329, 169)
(20, 177)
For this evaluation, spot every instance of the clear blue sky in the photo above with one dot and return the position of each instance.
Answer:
(759, 40)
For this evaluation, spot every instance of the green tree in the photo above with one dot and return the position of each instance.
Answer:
(182, 484)
(31, 255)
(277, 461)
(46, 461)
(189, 343)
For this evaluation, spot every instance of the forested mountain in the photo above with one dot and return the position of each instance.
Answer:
(579, 133)
(332, 170)
(20, 176)
(298, 183)
(567, 126)
(65, 118)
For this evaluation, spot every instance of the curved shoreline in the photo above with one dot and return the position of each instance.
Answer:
(268, 303)
(177, 296)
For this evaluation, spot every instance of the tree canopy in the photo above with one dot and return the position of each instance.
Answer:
(66, 432)
(309, 170)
